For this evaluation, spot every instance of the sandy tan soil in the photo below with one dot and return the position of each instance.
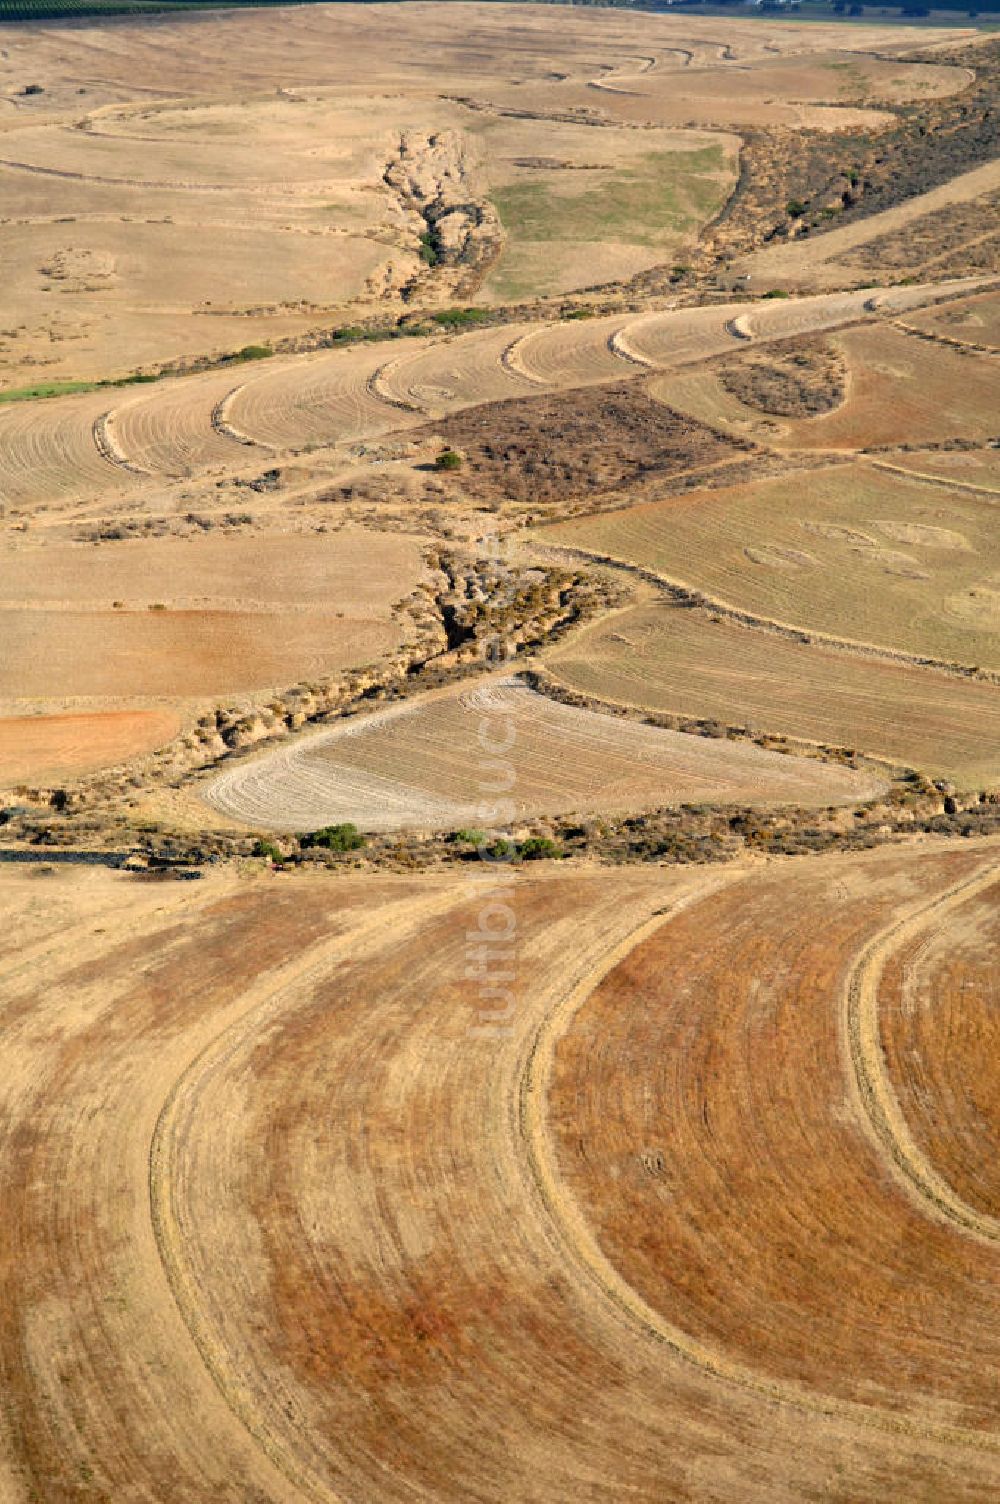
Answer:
(196, 617)
(38, 748)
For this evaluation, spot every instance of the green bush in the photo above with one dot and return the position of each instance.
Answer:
(253, 352)
(448, 459)
(452, 318)
(269, 850)
(469, 837)
(776, 292)
(539, 848)
(428, 249)
(344, 837)
(795, 208)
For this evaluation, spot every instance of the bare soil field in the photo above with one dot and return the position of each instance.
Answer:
(511, 431)
(675, 660)
(317, 192)
(38, 748)
(428, 765)
(197, 617)
(275, 1312)
(855, 552)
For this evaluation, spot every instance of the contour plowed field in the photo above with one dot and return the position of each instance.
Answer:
(429, 764)
(197, 423)
(665, 658)
(937, 1007)
(341, 1219)
(900, 390)
(973, 321)
(715, 1133)
(853, 551)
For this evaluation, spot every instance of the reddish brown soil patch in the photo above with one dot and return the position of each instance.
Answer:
(39, 747)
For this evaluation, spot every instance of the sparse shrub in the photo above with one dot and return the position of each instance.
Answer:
(539, 848)
(451, 318)
(795, 208)
(269, 850)
(428, 249)
(776, 292)
(157, 606)
(469, 837)
(253, 352)
(502, 850)
(345, 837)
(448, 459)
(118, 605)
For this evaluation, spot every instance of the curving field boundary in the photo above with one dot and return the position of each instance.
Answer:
(874, 1089)
(581, 1249)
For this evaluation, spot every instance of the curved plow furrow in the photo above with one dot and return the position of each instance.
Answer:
(466, 371)
(324, 399)
(424, 764)
(170, 431)
(380, 1188)
(567, 355)
(47, 450)
(935, 1001)
(708, 1131)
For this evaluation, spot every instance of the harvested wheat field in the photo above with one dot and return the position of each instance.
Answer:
(199, 616)
(431, 765)
(970, 321)
(41, 747)
(498, 1000)
(936, 1000)
(850, 551)
(666, 658)
(838, 1275)
(80, 446)
(690, 1197)
(955, 469)
(897, 389)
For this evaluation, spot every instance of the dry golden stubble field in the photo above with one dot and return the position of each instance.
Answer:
(973, 321)
(605, 143)
(900, 389)
(76, 448)
(734, 1170)
(853, 552)
(317, 1237)
(665, 658)
(938, 1030)
(423, 765)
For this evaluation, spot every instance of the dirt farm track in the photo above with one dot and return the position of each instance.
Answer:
(331, 1226)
